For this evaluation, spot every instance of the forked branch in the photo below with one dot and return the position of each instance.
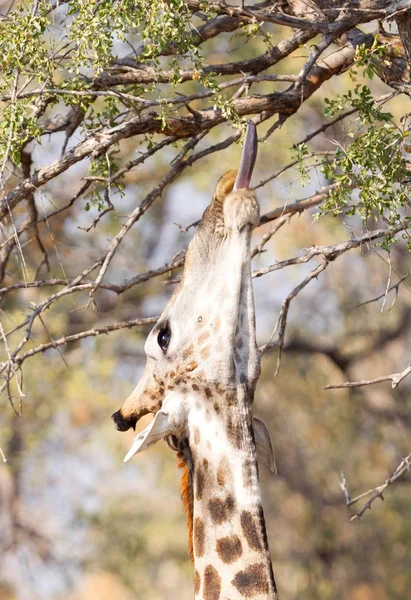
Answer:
(376, 492)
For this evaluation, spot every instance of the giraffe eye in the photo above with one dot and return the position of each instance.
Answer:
(164, 337)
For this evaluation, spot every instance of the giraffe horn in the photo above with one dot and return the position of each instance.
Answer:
(248, 157)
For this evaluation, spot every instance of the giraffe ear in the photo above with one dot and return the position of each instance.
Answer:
(157, 430)
(264, 447)
(225, 185)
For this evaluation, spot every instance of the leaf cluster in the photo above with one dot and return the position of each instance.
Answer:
(371, 163)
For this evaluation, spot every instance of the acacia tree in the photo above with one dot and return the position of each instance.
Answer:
(81, 78)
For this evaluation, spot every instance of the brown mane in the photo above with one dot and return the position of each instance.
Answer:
(186, 491)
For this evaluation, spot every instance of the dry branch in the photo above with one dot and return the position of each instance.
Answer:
(277, 337)
(17, 360)
(395, 379)
(376, 492)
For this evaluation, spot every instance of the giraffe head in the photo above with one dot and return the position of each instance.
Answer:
(202, 367)
(206, 334)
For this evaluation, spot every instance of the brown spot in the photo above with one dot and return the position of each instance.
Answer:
(212, 584)
(187, 352)
(207, 392)
(172, 374)
(250, 530)
(191, 366)
(217, 323)
(205, 464)
(252, 581)
(199, 537)
(229, 549)
(221, 510)
(205, 352)
(231, 398)
(199, 483)
(195, 387)
(202, 338)
(247, 474)
(217, 408)
(234, 432)
(196, 435)
(197, 582)
(220, 477)
(222, 471)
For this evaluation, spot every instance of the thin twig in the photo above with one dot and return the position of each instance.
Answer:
(178, 165)
(329, 252)
(377, 492)
(277, 337)
(395, 379)
(12, 369)
(393, 287)
(18, 359)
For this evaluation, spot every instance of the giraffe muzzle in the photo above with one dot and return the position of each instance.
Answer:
(123, 423)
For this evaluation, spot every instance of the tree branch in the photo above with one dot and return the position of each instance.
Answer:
(395, 379)
(376, 492)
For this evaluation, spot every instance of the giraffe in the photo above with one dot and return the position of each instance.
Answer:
(199, 381)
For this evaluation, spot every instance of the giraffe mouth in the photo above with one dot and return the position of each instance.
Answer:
(248, 158)
(122, 423)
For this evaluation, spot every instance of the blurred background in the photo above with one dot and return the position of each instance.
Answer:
(78, 524)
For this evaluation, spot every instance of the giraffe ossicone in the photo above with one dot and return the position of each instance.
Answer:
(199, 381)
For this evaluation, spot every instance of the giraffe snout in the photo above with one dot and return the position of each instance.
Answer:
(123, 423)
(240, 209)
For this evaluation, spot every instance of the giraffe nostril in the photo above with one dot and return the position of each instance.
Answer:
(122, 423)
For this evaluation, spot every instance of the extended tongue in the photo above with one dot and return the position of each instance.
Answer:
(248, 157)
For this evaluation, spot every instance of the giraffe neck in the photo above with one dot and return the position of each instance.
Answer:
(231, 555)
